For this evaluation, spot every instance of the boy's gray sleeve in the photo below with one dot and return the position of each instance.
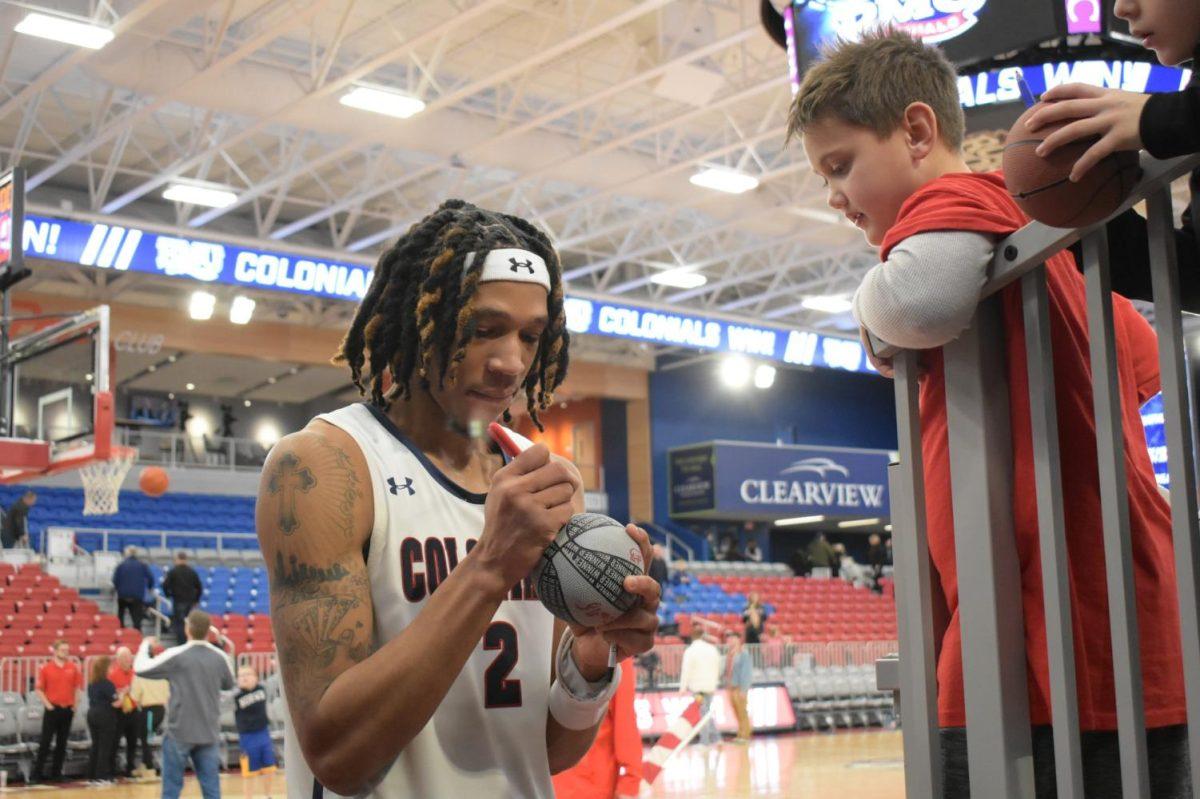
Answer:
(924, 295)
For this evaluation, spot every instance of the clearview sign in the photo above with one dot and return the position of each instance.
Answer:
(731, 479)
(128, 249)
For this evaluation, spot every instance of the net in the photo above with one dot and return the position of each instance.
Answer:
(102, 482)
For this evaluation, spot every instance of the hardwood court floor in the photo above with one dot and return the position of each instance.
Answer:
(861, 765)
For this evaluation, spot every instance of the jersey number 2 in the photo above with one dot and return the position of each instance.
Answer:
(498, 690)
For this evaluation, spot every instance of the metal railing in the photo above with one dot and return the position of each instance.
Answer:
(772, 658)
(981, 461)
(177, 449)
(218, 540)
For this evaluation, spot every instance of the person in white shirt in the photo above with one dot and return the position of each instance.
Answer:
(753, 553)
(698, 674)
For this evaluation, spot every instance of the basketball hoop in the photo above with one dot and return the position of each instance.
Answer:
(102, 481)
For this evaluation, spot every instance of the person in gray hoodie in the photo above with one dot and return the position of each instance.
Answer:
(197, 672)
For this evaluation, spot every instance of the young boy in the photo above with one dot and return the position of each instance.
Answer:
(882, 125)
(1166, 125)
(254, 737)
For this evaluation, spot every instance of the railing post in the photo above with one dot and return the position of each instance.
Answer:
(1052, 535)
(1114, 512)
(918, 665)
(1181, 458)
(999, 749)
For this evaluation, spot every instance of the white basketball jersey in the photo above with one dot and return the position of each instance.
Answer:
(487, 738)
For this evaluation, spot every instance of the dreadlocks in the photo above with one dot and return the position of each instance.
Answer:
(417, 317)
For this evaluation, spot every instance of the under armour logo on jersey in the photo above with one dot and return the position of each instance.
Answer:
(395, 488)
(519, 265)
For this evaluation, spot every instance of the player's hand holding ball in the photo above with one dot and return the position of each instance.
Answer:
(528, 502)
(633, 631)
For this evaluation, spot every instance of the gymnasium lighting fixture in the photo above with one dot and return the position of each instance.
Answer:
(887, 527)
(835, 303)
(764, 376)
(191, 386)
(246, 403)
(383, 101)
(241, 310)
(681, 278)
(730, 181)
(735, 371)
(267, 434)
(193, 194)
(201, 305)
(860, 523)
(67, 31)
(798, 520)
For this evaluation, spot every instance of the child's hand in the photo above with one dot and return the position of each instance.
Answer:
(1111, 114)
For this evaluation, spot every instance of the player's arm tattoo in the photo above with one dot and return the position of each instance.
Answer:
(318, 619)
(330, 500)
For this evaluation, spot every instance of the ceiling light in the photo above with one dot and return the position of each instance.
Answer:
(383, 101)
(729, 181)
(246, 403)
(887, 527)
(764, 376)
(151, 368)
(201, 305)
(171, 396)
(191, 386)
(173, 358)
(272, 380)
(241, 310)
(834, 303)
(798, 520)
(88, 377)
(192, 194)
(735, 371)
(860, 523)
(67, 31)
(682, 278)
(267, 434)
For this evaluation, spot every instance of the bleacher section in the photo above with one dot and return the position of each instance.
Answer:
(183, 513)
(35, 610)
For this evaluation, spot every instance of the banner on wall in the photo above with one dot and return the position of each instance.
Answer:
(738, 480)
(127, 249)
(769, 706)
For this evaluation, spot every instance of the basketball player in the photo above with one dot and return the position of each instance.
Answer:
(417, 660)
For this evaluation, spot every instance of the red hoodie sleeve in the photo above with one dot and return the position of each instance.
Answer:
(627, 740)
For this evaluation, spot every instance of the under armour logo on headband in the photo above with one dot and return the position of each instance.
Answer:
(512, 264)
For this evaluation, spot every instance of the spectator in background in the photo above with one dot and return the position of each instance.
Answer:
(658, 566)
(197, 672)
(875, 559)
(698, 675)
(755, 618)
(729, 550)
(753, 553)
(613, 766)
(771, 647)
(887, 556)
(799, 563)
(14, 529)
(132, 579)
(59, 682)
(151, 697)
(120, 674)
(103, 702)
(254, 733)
(821, 554)
(738, 678)
(182, 586)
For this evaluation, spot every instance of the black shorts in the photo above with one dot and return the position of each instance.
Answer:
(1170, 775)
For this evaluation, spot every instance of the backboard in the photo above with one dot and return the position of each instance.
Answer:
(56, 401)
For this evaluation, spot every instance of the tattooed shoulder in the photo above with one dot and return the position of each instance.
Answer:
(315, 485)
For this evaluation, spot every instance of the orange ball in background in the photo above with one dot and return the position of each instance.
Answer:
(154, 481)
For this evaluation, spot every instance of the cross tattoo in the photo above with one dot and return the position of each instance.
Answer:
(286, 480)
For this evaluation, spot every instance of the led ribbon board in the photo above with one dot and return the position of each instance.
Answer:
(128, 249)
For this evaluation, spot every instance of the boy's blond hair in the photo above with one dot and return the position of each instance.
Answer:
(871, 82)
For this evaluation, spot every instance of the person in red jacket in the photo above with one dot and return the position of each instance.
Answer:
(613, 766)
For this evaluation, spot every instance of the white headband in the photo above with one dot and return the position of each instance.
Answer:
(521, 266)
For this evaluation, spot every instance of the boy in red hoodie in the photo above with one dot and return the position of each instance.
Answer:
(882, 125)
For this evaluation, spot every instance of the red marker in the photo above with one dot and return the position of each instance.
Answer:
(510, 441)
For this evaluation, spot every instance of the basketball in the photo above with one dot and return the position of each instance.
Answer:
(580, 577)
(154, 481)
(1043, 189)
